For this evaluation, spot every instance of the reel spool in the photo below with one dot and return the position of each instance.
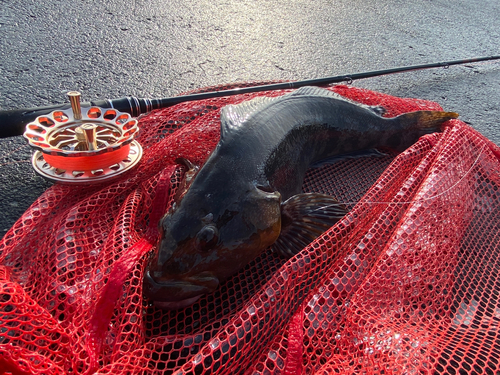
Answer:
(83, 145)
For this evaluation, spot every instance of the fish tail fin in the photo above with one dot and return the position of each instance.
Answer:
(427, 121)
(412, 125)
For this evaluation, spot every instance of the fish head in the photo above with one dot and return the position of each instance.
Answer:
(207, 237)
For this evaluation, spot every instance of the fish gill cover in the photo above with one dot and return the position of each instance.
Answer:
(407, 282)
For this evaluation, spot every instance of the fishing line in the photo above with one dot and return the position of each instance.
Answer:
(14, 163)
(85, 163)
(412, 201)
(15, 150)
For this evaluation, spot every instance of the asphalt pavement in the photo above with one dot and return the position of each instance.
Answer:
(157, 48)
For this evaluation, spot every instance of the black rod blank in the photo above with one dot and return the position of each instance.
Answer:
(13, 122)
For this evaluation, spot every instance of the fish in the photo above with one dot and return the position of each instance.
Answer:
(248, 195)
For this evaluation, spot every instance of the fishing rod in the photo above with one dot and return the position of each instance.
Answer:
(13, 122)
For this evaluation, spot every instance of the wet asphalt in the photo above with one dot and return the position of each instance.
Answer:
(157, 48)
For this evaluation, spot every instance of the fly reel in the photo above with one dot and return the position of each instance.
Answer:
(83, 145)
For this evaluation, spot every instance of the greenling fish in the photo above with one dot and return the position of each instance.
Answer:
(248, 196)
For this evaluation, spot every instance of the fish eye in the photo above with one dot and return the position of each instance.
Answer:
(207, 238)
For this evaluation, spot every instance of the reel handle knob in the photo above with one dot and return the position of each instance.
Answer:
(74, 99)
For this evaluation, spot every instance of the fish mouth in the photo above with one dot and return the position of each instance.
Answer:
(177, 293)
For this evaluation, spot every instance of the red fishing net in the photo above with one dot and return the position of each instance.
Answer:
(408, 282)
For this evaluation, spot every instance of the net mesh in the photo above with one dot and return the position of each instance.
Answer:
(406, 282)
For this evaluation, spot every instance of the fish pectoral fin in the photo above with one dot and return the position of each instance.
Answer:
(188, 178)
(304, 217)
(187, 163)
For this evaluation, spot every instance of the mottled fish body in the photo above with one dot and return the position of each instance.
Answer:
(248, 195)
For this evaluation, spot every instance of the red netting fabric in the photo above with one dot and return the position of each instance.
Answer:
(407, 282)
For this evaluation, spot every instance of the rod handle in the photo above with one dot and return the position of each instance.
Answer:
(13, 122)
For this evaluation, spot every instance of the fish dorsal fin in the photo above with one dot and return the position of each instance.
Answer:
(305, 217)
(314, 91)
(321, 92)
(233, 116)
